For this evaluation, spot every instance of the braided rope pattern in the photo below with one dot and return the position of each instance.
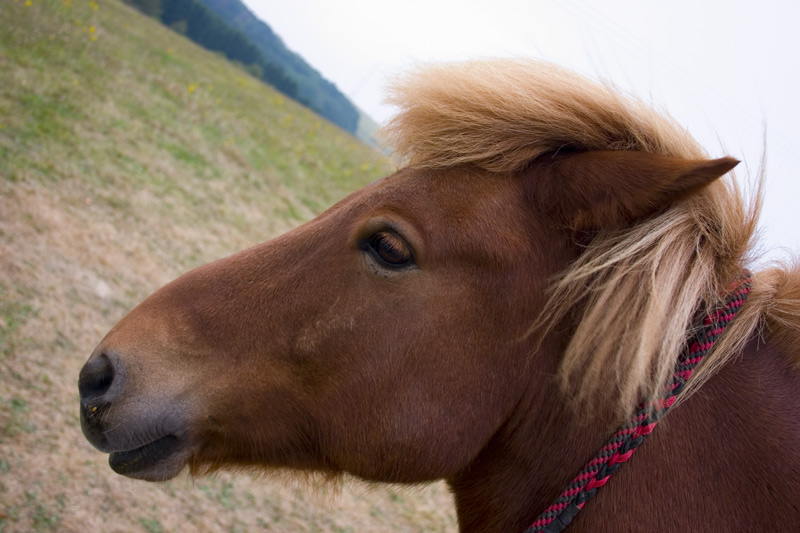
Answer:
(629, 436)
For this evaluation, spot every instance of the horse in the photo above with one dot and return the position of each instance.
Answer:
(488, 315)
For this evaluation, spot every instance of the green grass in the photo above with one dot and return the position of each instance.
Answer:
(13, 314)
(44, 517)
(14, 418)
(103, 96)
(151, 525)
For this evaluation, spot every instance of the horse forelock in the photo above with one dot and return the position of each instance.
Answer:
(502, 114)
(634, 291)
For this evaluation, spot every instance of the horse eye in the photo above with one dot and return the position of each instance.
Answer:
(390, 250)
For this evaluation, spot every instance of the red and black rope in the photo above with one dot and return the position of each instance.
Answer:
(621, 446)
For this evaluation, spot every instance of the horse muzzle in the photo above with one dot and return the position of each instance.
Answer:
(144, 439)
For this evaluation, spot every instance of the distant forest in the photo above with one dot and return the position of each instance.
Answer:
(228, 27)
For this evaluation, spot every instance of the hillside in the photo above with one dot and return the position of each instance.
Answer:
(128, 155)
(228, 27)
(313, 88)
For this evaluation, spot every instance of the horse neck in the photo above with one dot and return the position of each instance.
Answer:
(731, 447)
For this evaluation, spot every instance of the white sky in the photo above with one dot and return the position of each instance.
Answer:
(727, 70)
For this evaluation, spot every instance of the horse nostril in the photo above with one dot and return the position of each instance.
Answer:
(96, 377)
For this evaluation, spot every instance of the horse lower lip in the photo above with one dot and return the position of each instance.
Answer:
(144, 457)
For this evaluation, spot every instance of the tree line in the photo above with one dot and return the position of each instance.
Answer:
(199, 22)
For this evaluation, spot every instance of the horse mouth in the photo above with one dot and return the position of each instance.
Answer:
(156, 461)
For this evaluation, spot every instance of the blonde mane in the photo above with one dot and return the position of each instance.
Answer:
(634, 291)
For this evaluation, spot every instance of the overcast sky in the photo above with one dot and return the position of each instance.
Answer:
(728, 71)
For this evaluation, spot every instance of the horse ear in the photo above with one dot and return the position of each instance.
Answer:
(593, 190)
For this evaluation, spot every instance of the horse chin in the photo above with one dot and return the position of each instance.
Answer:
(159, 460)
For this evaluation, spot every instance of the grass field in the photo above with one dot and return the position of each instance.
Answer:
(127, 156)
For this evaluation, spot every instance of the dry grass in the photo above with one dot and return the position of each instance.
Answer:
(127, 156)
